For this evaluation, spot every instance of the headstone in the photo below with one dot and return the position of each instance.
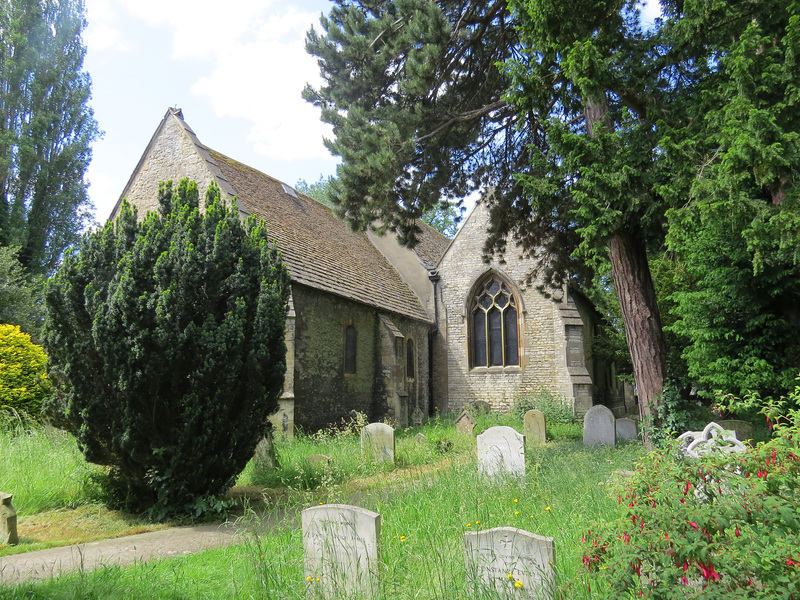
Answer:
(417, 417)
(501, 450)
(8, 521)
(743, 429)
(627, 430)
(465, 423)
(481, 407)
(318, 461)
(377, 442)
(599, 427)
(533, 425)
(340, 550)
(511, 563)
(283, 420)
(420, 439)
(713, 438)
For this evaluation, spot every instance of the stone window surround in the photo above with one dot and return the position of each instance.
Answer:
(467, 319)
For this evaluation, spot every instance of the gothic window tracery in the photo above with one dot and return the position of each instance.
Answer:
(494, 325)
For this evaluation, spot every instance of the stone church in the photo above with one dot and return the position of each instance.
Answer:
(385, 330)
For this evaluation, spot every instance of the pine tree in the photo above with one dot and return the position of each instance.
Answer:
(46, 129)
(167, 339)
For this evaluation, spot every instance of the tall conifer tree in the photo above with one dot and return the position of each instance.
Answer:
(46, 128)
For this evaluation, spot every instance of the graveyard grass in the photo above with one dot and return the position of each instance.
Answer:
(427, 501)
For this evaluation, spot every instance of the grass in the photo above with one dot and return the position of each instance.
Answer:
(426, 504)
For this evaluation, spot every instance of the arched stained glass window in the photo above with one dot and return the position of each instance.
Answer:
(494, 339)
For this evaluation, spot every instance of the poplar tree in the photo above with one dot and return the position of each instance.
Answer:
(46, 129)
(166, 339)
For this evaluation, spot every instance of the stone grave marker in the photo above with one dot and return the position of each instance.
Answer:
(420, 439)
(627, 430)
(318, 461)
(511, 563)
(377, 442)
(8, 521)
(713, 438)
(743, 429)
(481, 407)
(599, 427)
(501, 451)
(465, 423)
(340, 551)
(533, 425)
(417, 417)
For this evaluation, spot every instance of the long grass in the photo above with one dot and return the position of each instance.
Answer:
(423, 519)
(43, 468)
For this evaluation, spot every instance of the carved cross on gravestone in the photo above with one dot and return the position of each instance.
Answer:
(417, 417)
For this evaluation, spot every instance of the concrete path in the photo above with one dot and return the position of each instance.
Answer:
(154, 545)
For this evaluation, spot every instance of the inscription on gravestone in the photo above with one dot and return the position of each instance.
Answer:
(501, 450)
(511, 562)
(340, 551)
(377, 442)
(533, 425)
(599, 427)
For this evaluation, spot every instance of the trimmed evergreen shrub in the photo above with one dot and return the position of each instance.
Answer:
(166, 337)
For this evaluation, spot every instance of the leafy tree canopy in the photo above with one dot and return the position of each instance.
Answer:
(20, 294)
(166, 337)
(46, 129)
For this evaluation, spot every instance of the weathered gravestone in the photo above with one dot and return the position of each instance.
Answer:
(8, 520)
(318, 461)
(501, 451)
(465, 423)
(420, 439)
(377, 442)
(481, 407)
(627, 430)
(599, 427)
(533, 425)
(742, 429)
(417, 417)
(340, 550)
(511, 562)
(713, 438)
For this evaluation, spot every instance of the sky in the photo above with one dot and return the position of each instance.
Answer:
(236, 68)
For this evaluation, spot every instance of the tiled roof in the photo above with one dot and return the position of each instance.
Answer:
(431, 245)
(319, 249)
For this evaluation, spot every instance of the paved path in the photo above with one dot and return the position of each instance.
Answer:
(45, 564)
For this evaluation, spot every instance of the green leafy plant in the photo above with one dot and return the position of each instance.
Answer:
(724, 525)
(24, 384)
(555, 409)
(166, 337)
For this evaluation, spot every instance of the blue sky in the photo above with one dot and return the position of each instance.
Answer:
(236, 68)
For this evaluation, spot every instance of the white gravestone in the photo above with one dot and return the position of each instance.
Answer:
(340, 550)
(377, 442)
(511, 562)
(533, 424)
(501, 450)
(599, 427)
(713, 438)
(627, 430)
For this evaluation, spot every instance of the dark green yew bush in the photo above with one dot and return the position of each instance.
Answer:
(723, 526)
(166, 338)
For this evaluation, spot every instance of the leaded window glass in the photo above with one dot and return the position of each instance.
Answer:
(494, 338)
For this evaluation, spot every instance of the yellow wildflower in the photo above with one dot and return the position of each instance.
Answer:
(517, 584)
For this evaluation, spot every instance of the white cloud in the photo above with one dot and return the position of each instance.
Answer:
(261, 81)
(103, 32)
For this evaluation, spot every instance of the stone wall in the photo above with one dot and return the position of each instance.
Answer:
(173, 154)
(323, 392)
(543, 321)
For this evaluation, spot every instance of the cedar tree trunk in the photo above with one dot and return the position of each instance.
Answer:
(643, 332)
